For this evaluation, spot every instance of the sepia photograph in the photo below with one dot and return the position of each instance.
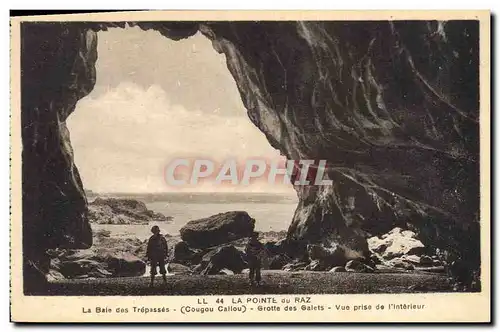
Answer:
(166, 158)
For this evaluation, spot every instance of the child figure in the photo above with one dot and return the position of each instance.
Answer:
(253, 252)
(156, 253)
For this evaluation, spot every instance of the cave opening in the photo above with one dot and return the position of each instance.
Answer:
(54, 203)
(157, 99)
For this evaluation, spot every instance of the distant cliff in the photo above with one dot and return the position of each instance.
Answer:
(122, 211)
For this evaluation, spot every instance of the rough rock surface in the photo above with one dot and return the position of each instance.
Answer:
(126, 265)
(223, 257)
(400, 262)
(396, 243)
(329, 256)
(317, 265)
(357, 266)
(185, 255)
(108, 257)
(295, 266)
(178, 269)
(338, 269)
(118, 211)
(217, 229)
(278, 261)
(393, 108)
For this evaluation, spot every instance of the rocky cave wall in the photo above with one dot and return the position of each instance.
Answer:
(392, 106)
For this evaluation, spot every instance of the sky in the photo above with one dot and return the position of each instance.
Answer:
(156, 100)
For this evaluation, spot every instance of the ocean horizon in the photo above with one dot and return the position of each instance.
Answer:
(271, 211)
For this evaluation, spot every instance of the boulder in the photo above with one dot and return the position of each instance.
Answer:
(400, 262)
(282, 244)
(376, 259)
(358, 266)
(125, 265)
(80, 267)
(426, 260)
(395, 136)
(316, 266)
(412, 259)
(436, 262)
(396, 243)
(72, 269)
(178, 269)
(121, 211)
(99, 273)
(108, 257)
(226, 256)
(417, 260)
(277, 262)
(226, 272)
(338, 269)
(433, 269)
(54, 275)
(329, 256)
(272, 248)
(295, 266)
(102, 233)
(217, 229)
(183, 254)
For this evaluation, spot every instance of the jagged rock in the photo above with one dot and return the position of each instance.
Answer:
(217, 229)
(433, 269)
(375, 258)
(120, 211)
(295, 266)
(277, 262)
(436, 262)
(388, 111)
(357, 266)
(272, 248)
(76, 268)
(226, 272)
(330, 256)
(396, 243)
(282, 245)
(316, 265)
(399, 262)
(54, 275)
(178, 269)
(338, 269)
(183, 254)
(109, 257)
(125, 265)
(412, 259)
(226, 256)
(425, 260)
(99, 273)
(418, 260)
(172, 241)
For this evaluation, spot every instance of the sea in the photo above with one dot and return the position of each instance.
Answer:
(272, 212)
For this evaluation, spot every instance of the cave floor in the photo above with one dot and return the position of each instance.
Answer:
(274, 282)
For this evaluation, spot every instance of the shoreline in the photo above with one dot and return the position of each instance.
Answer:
(274, 282)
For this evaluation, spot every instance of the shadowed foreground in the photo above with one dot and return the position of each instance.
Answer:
(274, 283)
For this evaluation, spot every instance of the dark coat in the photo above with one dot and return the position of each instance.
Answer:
(253, 249)
(157, 248)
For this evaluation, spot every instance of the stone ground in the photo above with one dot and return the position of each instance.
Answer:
(275, 282)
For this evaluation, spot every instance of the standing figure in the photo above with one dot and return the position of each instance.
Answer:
(253, 252)
(156, 253)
